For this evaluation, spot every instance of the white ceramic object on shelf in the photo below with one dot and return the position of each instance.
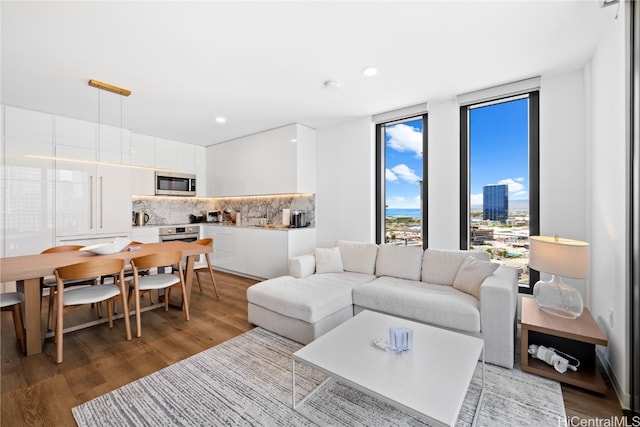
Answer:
(108, 248)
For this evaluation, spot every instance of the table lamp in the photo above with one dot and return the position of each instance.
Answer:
(559, 257)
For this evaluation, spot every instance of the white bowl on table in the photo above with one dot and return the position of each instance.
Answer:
(108, 248)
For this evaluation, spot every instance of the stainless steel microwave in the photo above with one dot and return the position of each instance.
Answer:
(175, 184)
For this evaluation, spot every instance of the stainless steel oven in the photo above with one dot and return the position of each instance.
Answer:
(185, 234)
(189, 233)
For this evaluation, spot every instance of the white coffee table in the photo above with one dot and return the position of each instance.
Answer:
(431, 380)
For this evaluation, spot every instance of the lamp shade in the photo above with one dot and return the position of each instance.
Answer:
(562, 257)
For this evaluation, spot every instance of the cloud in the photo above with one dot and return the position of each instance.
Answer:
(406, 174)
(476, 199)
(405, 138)
(515, 184)
(390, 176)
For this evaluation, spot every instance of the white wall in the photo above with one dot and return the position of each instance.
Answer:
(608, 186)
(345, 195)
(443, 181)
(563, 161)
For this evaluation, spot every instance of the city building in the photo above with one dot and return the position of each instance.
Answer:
(495, 202)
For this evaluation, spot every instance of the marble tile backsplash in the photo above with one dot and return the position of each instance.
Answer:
(176, 210)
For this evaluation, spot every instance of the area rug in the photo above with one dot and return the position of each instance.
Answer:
(246, 381)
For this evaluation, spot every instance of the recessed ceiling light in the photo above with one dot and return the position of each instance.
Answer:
(370, 71)
(221, 120)
(294, 140)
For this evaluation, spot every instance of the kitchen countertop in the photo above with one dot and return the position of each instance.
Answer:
(220, 224)
(253, 226)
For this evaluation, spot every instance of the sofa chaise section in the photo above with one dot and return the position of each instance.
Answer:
(303, 309)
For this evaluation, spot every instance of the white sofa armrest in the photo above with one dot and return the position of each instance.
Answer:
(498, 305)
(302, 266)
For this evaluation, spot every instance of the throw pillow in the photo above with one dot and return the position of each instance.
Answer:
(440, 266)
(403, 262)
(358, 257)
(471, 274)
(328, 260)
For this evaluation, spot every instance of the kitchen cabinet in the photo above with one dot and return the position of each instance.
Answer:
(201, 170)
(185, 158)
(278, 161)
(175, 156)
(145, 234)
(27, 184)
(165, 154)
(114, 145)
(91, 198)
(257, 252)
(142, 154)
(224, 246)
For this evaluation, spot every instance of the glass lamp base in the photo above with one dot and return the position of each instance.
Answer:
(557, 298)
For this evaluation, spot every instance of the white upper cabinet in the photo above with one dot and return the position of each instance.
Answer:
(278, 161)
(185, 157)
(27, 132)
(114, 145)
(176, 156)
(143, 150)
(165, 150)
(201, 170)
(142, 154)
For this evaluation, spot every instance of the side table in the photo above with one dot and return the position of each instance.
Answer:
(576, 337)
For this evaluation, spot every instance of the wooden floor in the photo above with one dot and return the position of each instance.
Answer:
(38, 392)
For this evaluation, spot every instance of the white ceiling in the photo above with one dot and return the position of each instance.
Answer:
(262, 64)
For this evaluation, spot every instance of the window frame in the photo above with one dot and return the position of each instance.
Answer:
(534, 171)
(380, 176)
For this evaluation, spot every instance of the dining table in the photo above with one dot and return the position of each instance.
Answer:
(27, 271)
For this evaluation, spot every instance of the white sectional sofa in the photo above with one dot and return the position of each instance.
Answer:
(457, 290)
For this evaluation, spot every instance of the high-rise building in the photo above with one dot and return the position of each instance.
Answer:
(495, 202)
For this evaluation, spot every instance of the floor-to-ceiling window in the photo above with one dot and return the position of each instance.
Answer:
(499, 179)
(401, 198)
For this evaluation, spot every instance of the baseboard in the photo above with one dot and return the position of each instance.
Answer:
(623, 397)
(237, 273)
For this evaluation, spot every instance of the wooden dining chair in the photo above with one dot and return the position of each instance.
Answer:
(49, 282)
(157, 281)
(11, 301)
(207, 269)
(204, 269)
(128, 270)
(94, 267)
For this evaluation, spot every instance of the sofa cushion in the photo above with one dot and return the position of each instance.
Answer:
(403, 262)
(443, 306)
(328, 260)
(309, 299)
(440, 266)
(358, 257)
(472, 273)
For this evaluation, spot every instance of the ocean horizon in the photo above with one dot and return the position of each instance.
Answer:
(412, 213)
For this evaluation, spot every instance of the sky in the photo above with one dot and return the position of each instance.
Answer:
(403, 164)
(498, 154)
(499, 150)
